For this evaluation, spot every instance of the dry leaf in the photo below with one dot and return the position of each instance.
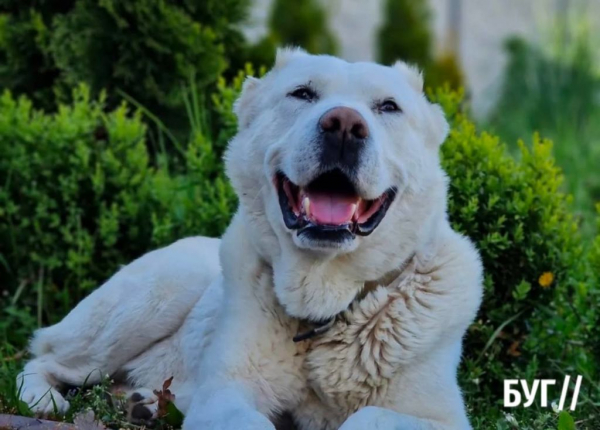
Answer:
(513, 350)
(87, 421)
(164, 398)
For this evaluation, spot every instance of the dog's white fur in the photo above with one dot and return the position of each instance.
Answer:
(224, 332)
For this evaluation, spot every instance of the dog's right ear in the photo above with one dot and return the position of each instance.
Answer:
(286, 54)
(244, 108)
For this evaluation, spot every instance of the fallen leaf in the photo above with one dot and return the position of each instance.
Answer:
(164, 398)
(87, 421)
(166, 407)
(513, 350)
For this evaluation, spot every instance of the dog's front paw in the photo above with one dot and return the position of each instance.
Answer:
(232, 420)
(141, 406)
(372, 418)
(40, 396)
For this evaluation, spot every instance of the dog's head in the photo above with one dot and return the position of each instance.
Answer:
(327, 151)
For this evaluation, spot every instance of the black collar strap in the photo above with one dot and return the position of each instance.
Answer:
(319, 329)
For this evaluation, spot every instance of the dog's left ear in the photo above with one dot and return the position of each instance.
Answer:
(413, 75)
(244, 108)
(437, 126)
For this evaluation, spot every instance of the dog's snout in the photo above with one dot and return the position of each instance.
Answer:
(344, 132)
(344, 122)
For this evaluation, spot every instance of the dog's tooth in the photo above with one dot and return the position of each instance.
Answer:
(355, 211)
(306, 205)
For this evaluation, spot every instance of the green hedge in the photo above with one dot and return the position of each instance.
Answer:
(555, 93)
(536, 320)
(81, 195)
(405, 35)
(146, 48)
(300, 23)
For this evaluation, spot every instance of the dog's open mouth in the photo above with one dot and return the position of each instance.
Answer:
(329, 207)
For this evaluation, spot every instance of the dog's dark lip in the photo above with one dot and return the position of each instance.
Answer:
(295, 219)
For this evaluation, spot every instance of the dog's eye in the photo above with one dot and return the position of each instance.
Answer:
(388, 106)
(304, 93)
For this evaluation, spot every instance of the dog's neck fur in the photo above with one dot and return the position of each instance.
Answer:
(316, 286)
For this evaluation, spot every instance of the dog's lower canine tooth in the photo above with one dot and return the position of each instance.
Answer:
(355, 211)
(306, 205)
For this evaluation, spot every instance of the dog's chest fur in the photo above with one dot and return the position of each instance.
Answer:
(355, 362)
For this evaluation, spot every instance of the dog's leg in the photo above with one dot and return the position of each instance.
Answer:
(376, 418)
(228, 406)
(251, 370)
(36, 388)
(142, 304)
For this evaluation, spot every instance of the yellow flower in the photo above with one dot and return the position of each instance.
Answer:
(546, 279)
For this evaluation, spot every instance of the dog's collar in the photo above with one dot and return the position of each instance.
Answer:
(320, 327)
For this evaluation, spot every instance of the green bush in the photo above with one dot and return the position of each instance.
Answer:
(556, 95)
(535, 321)
(25, 64)
(594, 293)
(300, 23)
(81, 195)
(443, 71)
(595, 253)
(405, 34)
(146, 48)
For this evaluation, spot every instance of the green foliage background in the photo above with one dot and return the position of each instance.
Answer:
(555, 93)
(405, 32)
(299, 23)
(405, 35)
(89, 182)
(148, 49)
(82, 194)
(524, 227)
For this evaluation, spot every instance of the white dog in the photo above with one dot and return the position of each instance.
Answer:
(342, 294)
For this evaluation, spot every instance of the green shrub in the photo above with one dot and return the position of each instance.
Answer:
(534, 321)
(25, 64)
(443, 71)
(300, 23)
(81, 195)
(595, 253)
(594, 293)
(405, 34)
(146, 48)
(556, 95)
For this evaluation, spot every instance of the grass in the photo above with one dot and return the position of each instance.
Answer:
(109, 407)
(108, 411)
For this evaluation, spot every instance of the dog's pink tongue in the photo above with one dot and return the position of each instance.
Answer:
(331, 209)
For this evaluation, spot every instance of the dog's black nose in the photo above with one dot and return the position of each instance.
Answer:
(344, 132)
(344, 123)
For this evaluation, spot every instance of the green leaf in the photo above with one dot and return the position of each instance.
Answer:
(521, 290)
(565, 421)
(174, 416)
